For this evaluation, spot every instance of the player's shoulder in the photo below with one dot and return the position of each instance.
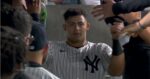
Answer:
(46, 74)
(56, 43)
(100, 44)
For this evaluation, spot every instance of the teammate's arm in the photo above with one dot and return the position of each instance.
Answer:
(128, 6)
(117, 62)
(143, 23)
(114, 8)
(145, 35)
(116, 66)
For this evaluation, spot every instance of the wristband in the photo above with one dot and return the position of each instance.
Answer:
(117, 48)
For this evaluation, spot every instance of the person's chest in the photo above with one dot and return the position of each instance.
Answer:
(86, 60)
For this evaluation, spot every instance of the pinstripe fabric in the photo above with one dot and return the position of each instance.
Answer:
(68, 62)
(39, 73)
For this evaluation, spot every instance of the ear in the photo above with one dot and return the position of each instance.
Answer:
(88, 25)
(45, 50)
(26, 40)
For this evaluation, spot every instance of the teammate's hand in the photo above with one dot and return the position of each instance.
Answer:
(116, 29)
(130, 29)
(103, 10)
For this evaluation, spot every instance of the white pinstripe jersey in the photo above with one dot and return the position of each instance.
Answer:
(88, 62)
(39, 73)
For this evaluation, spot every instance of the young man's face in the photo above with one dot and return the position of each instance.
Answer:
(76, 28)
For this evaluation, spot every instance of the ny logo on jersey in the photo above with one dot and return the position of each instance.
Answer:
(93, 64)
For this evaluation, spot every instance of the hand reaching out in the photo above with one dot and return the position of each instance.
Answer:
(104, 10)
(116, 29)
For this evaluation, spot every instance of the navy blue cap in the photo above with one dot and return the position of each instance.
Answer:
(40, 37)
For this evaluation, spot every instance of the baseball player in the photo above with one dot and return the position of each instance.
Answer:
(78, 58)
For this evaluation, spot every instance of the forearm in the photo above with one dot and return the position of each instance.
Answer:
(116, 66)
(138, 26)
(145, 35)
(130, 6)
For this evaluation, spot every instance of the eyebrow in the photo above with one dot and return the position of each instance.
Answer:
(77, 21)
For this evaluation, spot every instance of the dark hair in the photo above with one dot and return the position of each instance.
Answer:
(73, 12)
(17, 19)
(13, 49)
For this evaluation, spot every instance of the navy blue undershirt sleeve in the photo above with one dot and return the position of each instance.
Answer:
(127, 6)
